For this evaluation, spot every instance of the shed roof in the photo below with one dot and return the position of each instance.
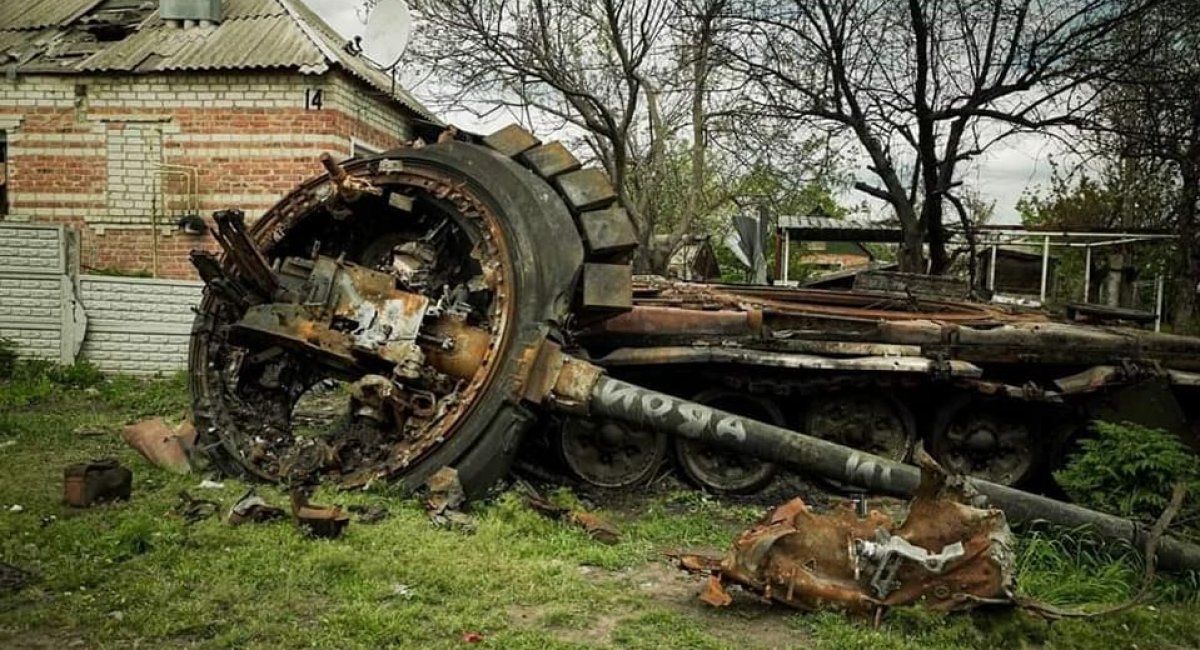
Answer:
(77, 36)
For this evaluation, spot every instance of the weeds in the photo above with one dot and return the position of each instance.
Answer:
(1129, 470)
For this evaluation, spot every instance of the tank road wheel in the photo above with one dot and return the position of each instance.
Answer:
(992, 440)
(721, 471)
(877, 423)
(611, 454)
(408, 277)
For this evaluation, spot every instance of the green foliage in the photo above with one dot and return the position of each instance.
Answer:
(8, 358)
(1129, 470)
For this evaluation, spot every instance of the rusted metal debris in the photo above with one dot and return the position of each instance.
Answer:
(325, 522)
(100, 481)
(597, 527)
(445, 501)
(946, 555)
(252, 508)
(192, 509)
(162, 445)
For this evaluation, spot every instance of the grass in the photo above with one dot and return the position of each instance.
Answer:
(134, 575)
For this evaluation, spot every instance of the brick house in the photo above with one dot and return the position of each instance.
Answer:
(119, 120)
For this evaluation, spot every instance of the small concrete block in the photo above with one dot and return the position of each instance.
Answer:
(511, 140)
(607, 286)
(587, 189)
(608, 231)
(550, 160)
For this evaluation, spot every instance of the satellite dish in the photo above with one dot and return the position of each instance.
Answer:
(388, 27)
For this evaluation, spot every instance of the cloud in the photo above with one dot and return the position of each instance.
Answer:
(340, 14)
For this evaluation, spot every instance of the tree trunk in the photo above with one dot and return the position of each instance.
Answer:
(912, 254)
(1187, 271)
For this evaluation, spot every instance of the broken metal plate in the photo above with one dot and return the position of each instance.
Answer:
(946, 555)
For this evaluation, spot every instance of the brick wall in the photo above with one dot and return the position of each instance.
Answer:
(86, 151)
(138, 326)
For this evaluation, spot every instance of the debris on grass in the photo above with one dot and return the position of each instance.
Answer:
(251, 508)
(86, 484)
(445, 500)
(163, 446)
(946, 555)
(208, 484)
(326, 522)
(596, 526)
(193, 510)
(369, 514)
(16, 508)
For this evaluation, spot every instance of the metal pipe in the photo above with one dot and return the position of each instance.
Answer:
(787, 260)
(1158, 302)
(651, 410)
(1087, 274)
(1045, 266)
(992, 270)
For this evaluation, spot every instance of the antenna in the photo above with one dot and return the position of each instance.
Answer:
(388, 27)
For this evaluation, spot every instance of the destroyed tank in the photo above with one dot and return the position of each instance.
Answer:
(434, 297)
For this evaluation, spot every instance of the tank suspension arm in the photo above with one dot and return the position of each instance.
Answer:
(582, 388)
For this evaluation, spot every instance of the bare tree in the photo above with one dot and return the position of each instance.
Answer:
(925, 86)
(632, 78)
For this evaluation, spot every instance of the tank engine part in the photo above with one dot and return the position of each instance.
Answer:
(721, 470)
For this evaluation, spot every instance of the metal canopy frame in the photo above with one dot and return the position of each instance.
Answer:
(994, 237)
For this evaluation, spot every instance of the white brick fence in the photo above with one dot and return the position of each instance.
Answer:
(123, 325)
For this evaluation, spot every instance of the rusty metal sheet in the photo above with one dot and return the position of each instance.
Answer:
(511, 140)
(607, 286)
(946, 555)
(586, 189)
(668, 320)
(550, 160)
(608, 232)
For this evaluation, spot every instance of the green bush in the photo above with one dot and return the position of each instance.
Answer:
(1129, 470)
(8, 358)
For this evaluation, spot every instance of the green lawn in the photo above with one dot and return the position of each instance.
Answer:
(133, 575)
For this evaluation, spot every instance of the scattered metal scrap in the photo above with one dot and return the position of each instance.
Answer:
(86, 484)
(445, 500)
(252, 508)
(325, 522)
(594, 525)
(193, 510)
(946, 555)
(163, 446)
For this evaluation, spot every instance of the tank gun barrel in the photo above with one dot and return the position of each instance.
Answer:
(583, 388)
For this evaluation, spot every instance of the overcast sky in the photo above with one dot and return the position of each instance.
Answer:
(1002, 175)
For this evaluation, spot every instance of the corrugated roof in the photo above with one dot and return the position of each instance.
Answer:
(234, 44)
(253, 34)
(232, 9)
(34, 14)
(827, 223)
